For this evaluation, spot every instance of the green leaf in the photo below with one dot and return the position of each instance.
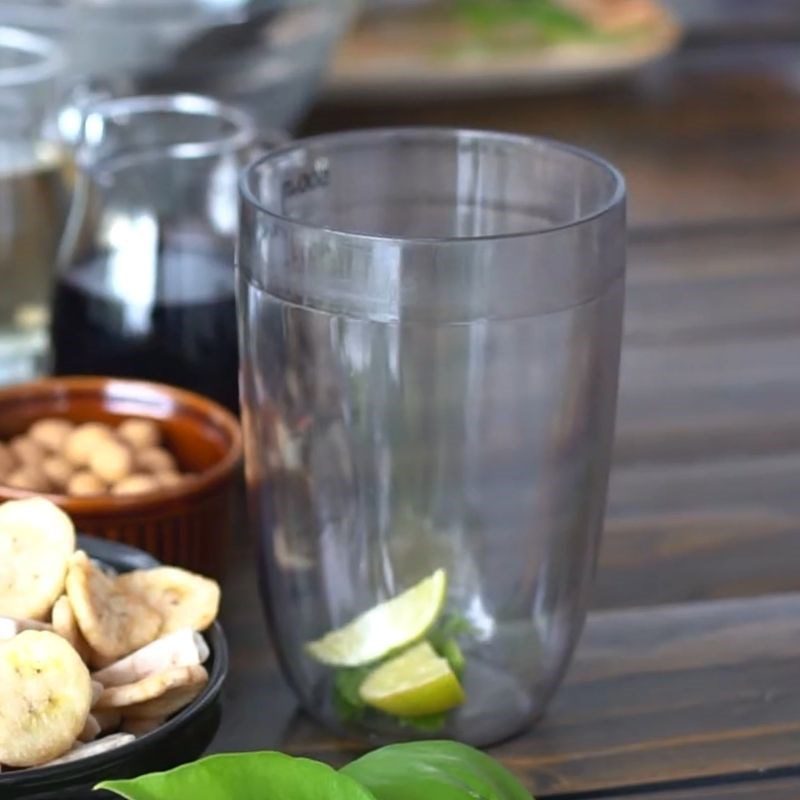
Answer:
(453, 625)
(436, 770)
(444, 639)
(428, 724)
(455, 657)
(243, 776)
(346, 683)
(550, 20)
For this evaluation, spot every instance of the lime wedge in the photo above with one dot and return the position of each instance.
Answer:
(386, 627)
(415, 683)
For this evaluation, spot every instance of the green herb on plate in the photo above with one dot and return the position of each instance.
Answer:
(553, 22)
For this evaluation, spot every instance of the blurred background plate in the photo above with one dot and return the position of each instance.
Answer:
(402, 49)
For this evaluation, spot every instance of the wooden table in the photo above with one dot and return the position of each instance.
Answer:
(686, 684)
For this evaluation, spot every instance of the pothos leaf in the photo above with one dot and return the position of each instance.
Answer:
(438, 770)
(244, 776)
(431, 770)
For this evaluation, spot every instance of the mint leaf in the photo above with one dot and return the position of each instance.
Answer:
(452, 652)
(432, 723)
(444, 640)
(451, 626)
(346, 699)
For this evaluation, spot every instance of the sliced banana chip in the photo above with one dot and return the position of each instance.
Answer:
(140, 727)
(97, 691)
(168, 704)
(65, 624)
(93, 748)
(45, 694)
(113, 621)
(91, 730)
(183, 648)
(10, 627)
(185, 600)
(152, 687)
(108, 719)
(36, 541)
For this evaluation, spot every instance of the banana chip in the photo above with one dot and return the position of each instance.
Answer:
(185, 600)
(113, 621)
(61, 613)
(36, 541)
(65, 624)
(172, 701)
(108, 719)
(91, 730)
(9, 627)
(152, 687)
(103, 745)
(45, 694)
(141, 727)
(183, 648)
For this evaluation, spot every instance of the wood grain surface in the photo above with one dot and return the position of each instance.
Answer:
(658, 696)
(782, 789)
(709, 134)
(704, 498)
(685, 684)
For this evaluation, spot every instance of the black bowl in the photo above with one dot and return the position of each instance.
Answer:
(183, 738)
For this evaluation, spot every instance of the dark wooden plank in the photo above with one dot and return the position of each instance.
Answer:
(704, 499)
(713, 284)
(782, 789)
(711, 341)
(745, 20)
(677, 557)
(705, 135)
(660, 695)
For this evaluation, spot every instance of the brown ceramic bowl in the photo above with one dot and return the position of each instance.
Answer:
(188, 524)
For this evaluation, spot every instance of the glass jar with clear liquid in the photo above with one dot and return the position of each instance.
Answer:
(34, 188)
(430, 326)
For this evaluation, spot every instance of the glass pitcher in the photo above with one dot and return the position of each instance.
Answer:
(430, 324)
(33, 199)
(145, 284)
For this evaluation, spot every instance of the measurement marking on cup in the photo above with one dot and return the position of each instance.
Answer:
(303, 182)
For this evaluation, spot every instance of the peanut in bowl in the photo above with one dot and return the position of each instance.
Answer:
(185, 522)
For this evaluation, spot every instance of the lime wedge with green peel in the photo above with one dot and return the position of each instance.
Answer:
(414, 684)
(385, 628)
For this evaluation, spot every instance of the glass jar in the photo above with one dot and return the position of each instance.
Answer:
(145, 285)
(34, 187)
(430, 327)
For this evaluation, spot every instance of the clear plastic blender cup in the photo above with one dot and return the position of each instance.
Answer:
(430, 329)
